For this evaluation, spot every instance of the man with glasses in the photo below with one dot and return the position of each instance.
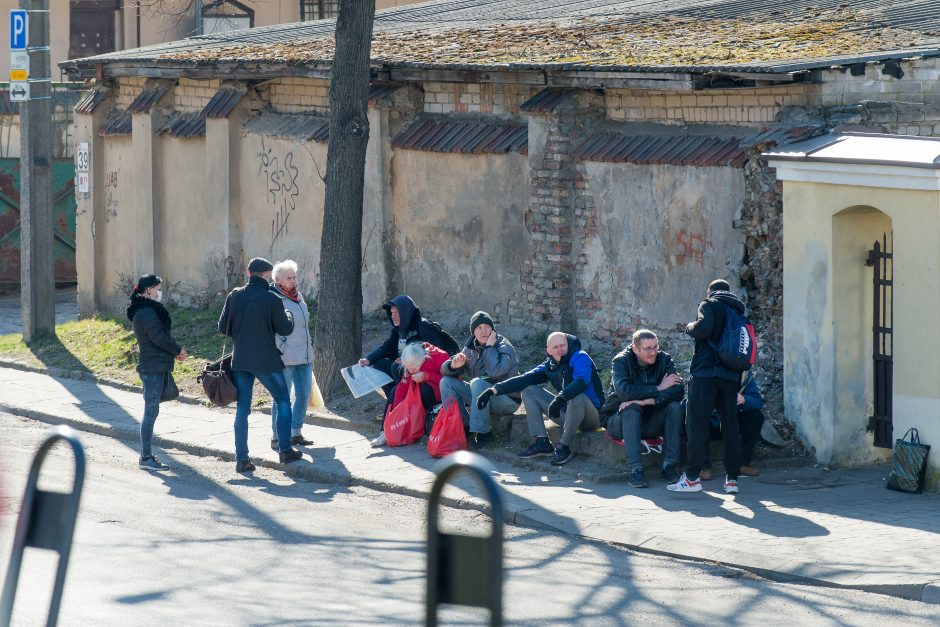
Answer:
(647, 392)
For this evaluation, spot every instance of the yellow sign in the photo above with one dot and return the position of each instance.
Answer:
(19, 75)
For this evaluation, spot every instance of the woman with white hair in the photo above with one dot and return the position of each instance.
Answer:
(296, 351)
(421, 363)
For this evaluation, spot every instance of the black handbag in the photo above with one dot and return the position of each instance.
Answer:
(170, 391)
(910, 464)
(216, 378)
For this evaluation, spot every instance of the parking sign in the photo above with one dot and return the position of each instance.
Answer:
(19, 34)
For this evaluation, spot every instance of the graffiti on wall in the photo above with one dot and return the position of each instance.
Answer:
(280, 176)
(111, 195)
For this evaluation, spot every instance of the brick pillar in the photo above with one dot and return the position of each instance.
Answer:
(547, 300)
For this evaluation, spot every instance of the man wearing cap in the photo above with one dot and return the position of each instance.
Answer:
(486, 359)
(252, 315)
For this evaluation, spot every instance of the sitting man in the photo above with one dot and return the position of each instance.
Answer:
(486, 359)
(750, 421)
(647, 395)
(407, 327)
(573, 374)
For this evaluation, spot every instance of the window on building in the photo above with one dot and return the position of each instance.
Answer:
(91, 27)
(318, 9)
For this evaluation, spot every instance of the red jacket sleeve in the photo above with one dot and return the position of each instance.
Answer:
(432, 368)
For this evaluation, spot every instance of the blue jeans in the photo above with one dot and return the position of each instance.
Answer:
(153, 389)
(467, 393)
(299, 377)
(275, 384)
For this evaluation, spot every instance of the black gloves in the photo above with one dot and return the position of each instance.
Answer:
(557, 406)
(485, 397)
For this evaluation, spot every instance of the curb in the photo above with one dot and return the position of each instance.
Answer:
(924, 592)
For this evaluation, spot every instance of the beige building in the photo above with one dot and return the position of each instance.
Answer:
(861, 232)
(595, 181)
(83, 28)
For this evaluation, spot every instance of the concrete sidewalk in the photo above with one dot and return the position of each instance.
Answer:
(837, 527)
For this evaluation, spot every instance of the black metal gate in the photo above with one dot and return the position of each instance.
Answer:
(880, 259)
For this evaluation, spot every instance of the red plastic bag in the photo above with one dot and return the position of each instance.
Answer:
(404, 424)
(447, 435)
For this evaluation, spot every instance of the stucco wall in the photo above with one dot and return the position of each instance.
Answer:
(662, 233)
(456, 230)
(116, 229)
(827, 231)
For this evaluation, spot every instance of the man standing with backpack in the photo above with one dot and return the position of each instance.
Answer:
(714, 384)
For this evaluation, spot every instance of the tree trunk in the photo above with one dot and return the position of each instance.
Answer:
(339, 301)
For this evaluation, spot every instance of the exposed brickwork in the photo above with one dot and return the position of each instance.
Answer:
(919, 84)
(192, 95)
(500, 99)
(127, 90)
(300, 95)
(748, 107)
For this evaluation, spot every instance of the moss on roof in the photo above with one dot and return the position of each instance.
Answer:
(663, 41)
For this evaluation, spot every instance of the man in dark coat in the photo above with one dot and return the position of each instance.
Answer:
(712, 386)
(252, 316)
(572, 373)
(407, 326)
(647, 403)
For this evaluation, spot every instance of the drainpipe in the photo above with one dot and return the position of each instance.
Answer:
(198, 11)
(137, 42)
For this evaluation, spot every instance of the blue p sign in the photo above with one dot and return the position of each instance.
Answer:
(18, 32)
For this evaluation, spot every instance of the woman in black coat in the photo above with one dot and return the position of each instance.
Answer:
(157, 351)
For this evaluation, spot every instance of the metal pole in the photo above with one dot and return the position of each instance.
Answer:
(37, 268)
(198, 12)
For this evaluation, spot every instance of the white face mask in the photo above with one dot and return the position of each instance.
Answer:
(158, 296)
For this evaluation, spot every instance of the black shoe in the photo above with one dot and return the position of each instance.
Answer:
(289, 456)
(562, 455)
(669, 473)
(274, 446)
(299, 440)
(638, 479)
(244, 465)
(481, 440)
(540, 448)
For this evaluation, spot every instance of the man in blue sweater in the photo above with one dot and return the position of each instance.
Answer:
(575, 407)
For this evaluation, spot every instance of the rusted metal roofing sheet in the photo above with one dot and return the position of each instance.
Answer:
(184, 126)
(687, 150)
(148, 96)
(469, 137)
(118, 124)
(380, 92)
(90, 100)
(302, 127)
(547, 100)
(223, 103)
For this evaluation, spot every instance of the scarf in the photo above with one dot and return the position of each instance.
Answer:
(138, 302)
(293, 294)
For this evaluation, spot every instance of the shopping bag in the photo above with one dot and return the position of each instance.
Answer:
(170, 391)
(910, 464)
(404, 424)
(218, 383)
(316, 396)
(447, 435)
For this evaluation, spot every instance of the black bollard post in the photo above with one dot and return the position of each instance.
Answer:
(465, 570)
(46, 521)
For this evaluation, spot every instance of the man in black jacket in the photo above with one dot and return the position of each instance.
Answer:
(649, 392)
(407, 326)
(252, 315)
(572, 373)
(712, 386)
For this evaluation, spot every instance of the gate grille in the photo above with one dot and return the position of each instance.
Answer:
(880, 259)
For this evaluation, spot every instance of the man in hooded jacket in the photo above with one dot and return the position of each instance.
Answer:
(407, 326)
(572, 372)
(712, 386)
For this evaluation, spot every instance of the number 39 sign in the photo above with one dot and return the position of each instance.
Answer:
(81, 167)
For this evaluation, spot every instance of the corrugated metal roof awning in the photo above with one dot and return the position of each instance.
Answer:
(468, 137)
(118, 124)
(184, 126)
(685, 150)
(295, 126)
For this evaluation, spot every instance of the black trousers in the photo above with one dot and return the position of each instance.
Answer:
(749, 423)
(706, 394)
(389, 367)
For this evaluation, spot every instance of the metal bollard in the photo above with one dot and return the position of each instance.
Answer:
(46, 521)
(465, 570)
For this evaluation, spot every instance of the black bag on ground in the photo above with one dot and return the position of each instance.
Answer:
(217, 382)
(170, 391)
(910, 464)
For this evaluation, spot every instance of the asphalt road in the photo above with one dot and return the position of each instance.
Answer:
(201, 545)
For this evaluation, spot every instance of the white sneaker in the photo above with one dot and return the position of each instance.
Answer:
(685, 485)
(731, 485)
(379, 441)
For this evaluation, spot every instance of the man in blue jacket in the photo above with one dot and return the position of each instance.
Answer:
(574, 376)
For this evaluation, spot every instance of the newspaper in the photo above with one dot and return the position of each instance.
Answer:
(364, 379)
